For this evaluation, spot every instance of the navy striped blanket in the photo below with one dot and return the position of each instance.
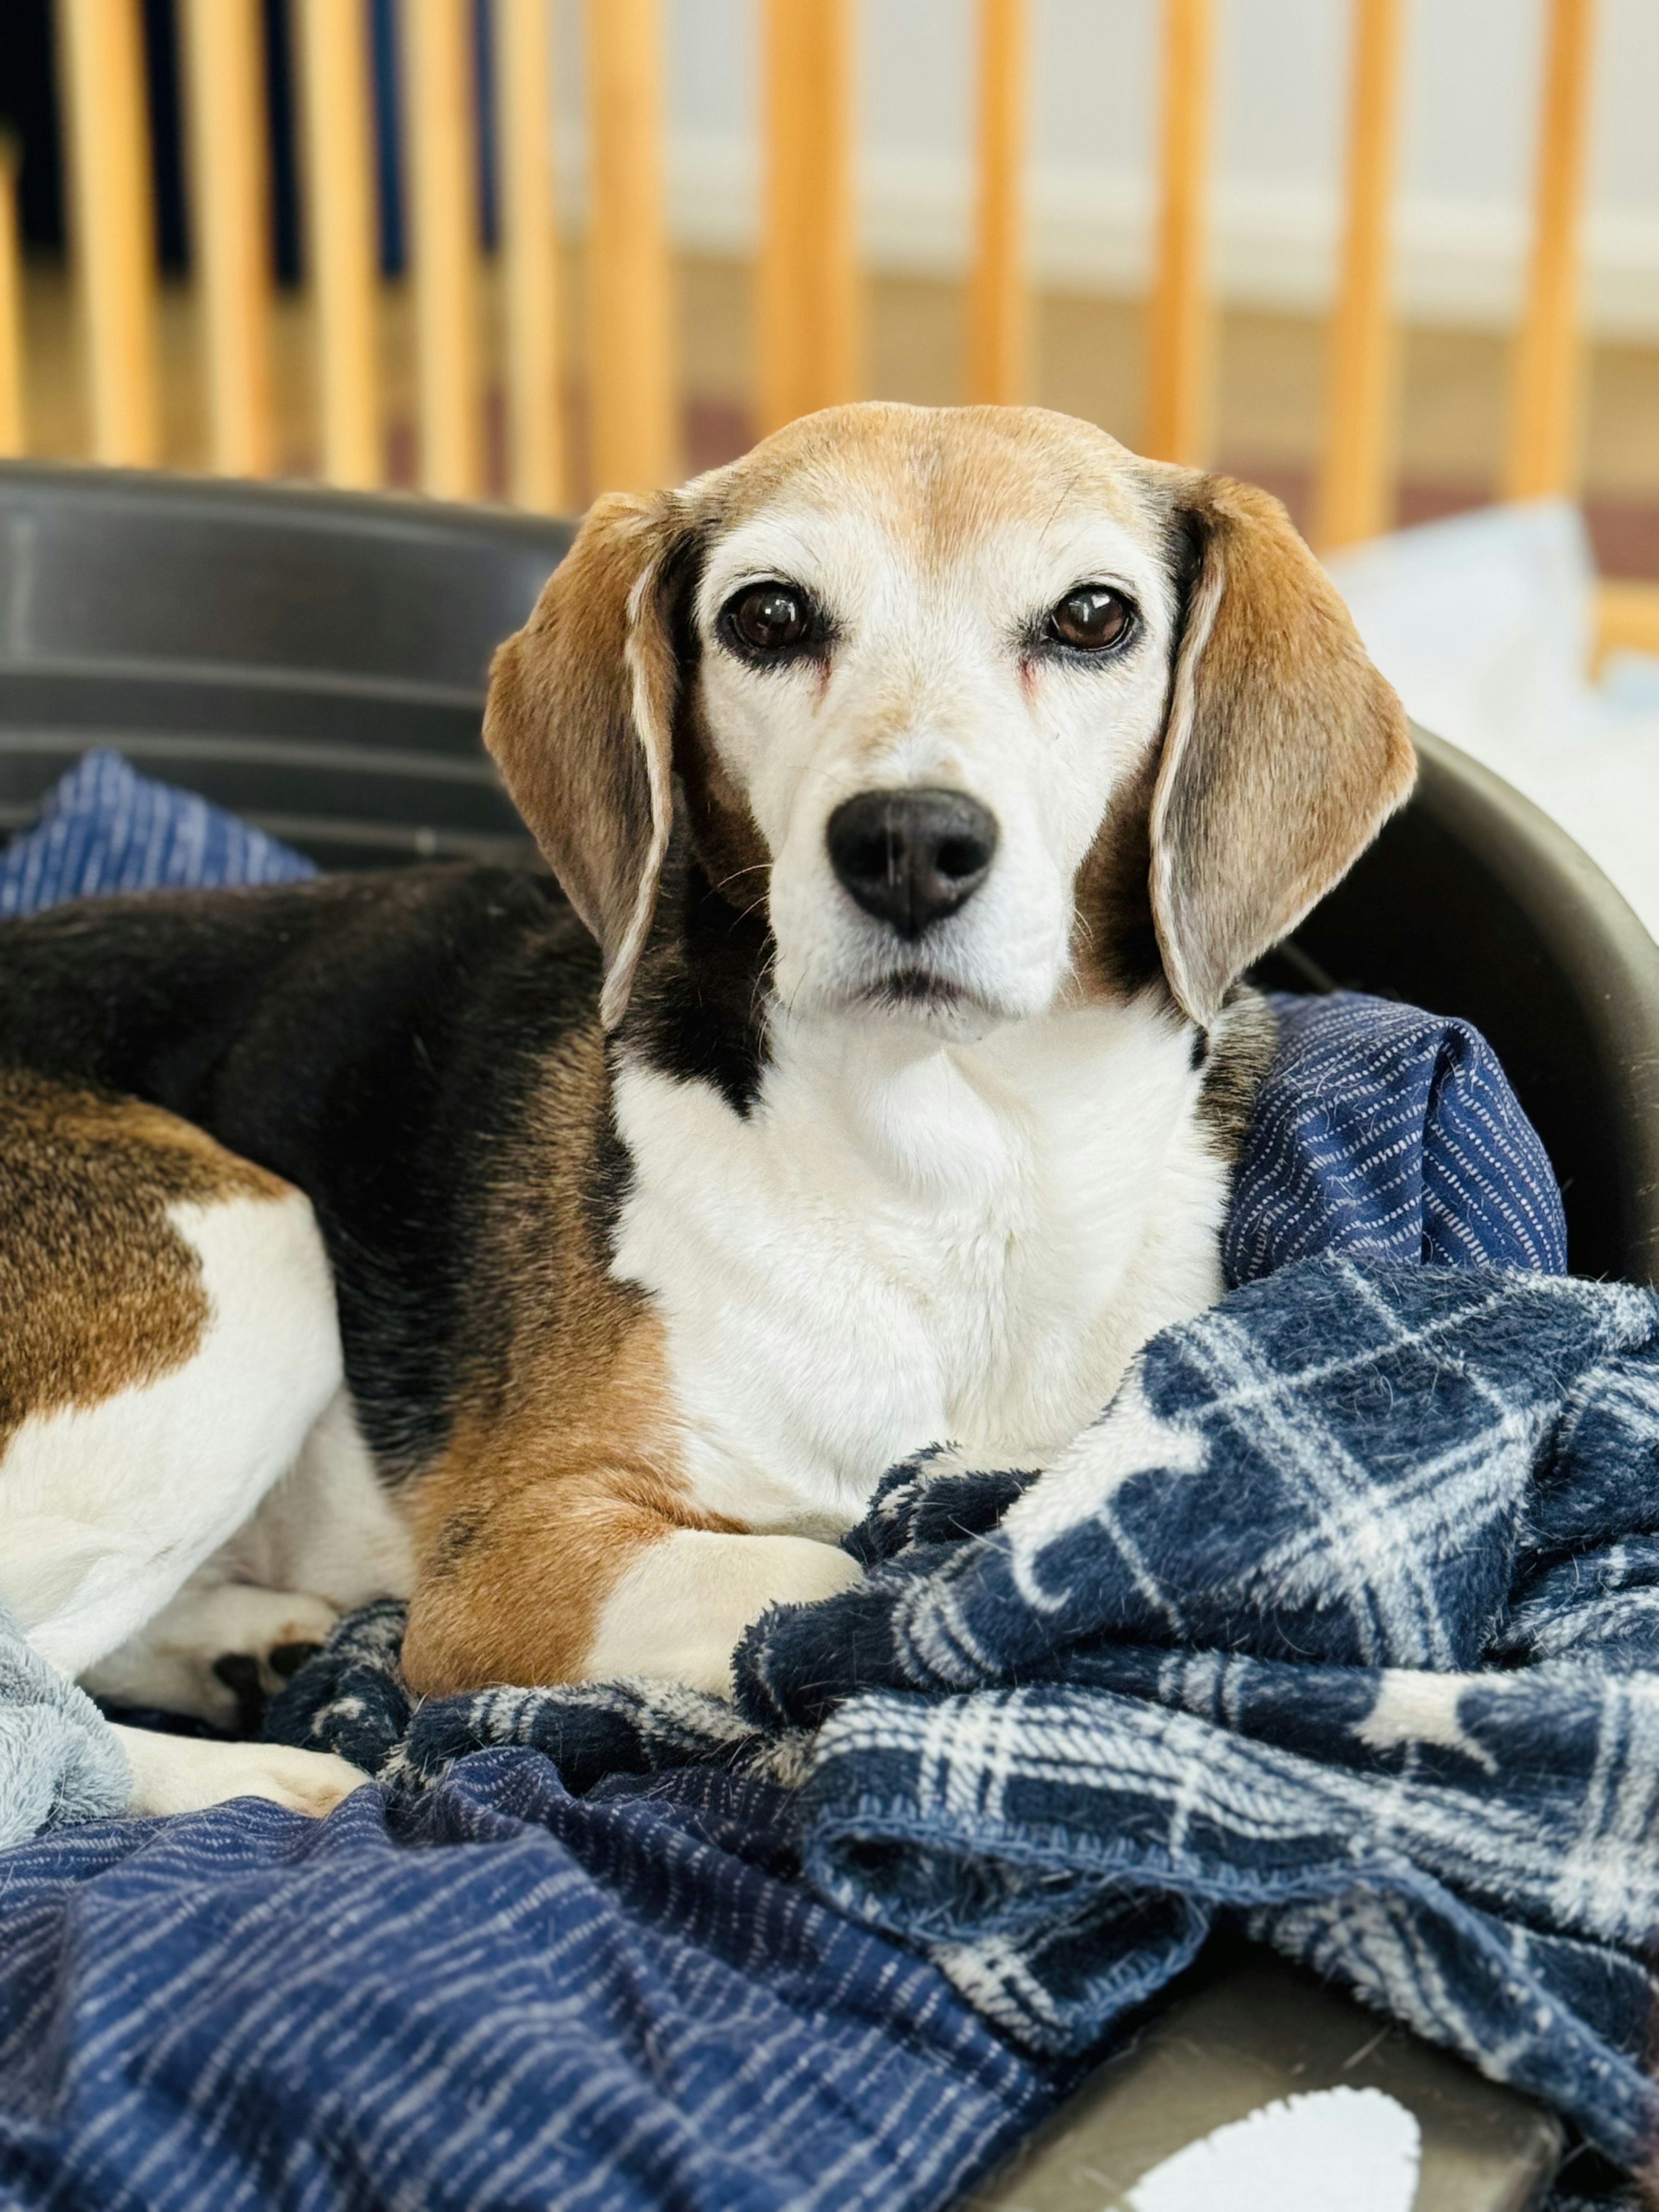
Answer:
(1336, 1625)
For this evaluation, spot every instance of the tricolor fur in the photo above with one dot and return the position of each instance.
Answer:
(662, 1213)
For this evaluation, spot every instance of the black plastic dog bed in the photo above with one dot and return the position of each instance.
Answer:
(317, 660)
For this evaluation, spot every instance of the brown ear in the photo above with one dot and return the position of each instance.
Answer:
(580, 720)
(1285, 752)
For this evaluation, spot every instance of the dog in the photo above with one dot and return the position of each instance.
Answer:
(572, 1257)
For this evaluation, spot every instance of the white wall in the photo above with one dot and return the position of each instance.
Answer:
(1472, 71)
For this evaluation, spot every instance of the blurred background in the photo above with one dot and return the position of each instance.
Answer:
(1396, 259)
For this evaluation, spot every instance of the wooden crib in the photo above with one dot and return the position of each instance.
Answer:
(809, 290)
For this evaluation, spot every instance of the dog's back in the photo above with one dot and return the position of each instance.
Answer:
(368, 1039)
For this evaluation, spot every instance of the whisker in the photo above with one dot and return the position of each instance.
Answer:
(755, 868)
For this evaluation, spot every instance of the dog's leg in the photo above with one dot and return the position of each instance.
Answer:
(182, 1774)
(575, 1578)
(107, 1507)
(681, 1606)
(327, 1538)
(168, 1343)
(186, 1660)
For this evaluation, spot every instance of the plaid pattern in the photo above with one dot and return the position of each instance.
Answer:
(1342, 1620)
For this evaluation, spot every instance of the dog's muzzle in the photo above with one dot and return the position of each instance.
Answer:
(910, 858)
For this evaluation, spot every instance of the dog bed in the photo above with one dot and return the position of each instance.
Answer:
(616, 1988)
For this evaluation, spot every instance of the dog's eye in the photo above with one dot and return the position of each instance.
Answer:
(1092, 618)
(769, 619)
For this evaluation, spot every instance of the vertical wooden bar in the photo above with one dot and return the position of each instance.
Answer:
(13, 426)
(630, 377)
(230, 217)
(443, 227)
(997, 324)
(113, 225)
(1544, 425)
(1180, 338)
(339, 182)
(810, 325)
(530, 256)
(1356, 469)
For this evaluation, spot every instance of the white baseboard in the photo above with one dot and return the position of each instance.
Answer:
(1458, 262)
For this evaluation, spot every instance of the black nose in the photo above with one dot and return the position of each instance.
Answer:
(912, 857)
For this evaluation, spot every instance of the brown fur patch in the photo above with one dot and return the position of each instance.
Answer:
(98, 1293)
(1284, 752)
(587, 768)
(937, 477)
(565, 1458)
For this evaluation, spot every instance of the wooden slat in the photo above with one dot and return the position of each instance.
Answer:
(1627, 615)
(12, 427)
(631, 385)
(1544, 426)
(530, 256)
(997, 310)
(1180, 338)
(113, 225)
(1356, 477)
(230, 235)
(339, 196)
(443, 200)
(810, 335)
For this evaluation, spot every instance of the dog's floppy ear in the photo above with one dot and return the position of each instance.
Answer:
(581, 721)
(1284, 750)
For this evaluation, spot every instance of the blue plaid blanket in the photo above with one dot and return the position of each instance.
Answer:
(1337, 1623)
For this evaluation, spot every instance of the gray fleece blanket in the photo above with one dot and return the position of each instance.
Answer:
(60, 1760)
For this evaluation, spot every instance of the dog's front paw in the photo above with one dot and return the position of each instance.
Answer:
(183, 1774)
(682, 1606)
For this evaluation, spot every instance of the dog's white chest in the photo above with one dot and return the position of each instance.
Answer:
(902, 1245)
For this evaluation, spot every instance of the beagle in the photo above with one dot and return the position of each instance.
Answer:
(572, 1258)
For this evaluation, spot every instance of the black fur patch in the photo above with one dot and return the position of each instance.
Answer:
(1242, 1041)
(697, 1009)
(612, 1180)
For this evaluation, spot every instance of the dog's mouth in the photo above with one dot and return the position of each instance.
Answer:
(920, 992)
(913, 986)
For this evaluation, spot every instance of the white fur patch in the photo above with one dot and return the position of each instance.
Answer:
(329, 1526)
(906, 1241)
(681, 1607)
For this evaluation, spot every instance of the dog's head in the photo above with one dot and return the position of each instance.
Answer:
(985, 716)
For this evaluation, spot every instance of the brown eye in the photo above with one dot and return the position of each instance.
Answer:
(1090, 618)
(769, 619)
